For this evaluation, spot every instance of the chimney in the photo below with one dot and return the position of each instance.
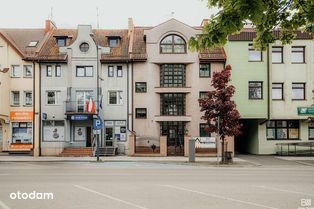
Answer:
(204, 22)
(49, 25)
(130, 25)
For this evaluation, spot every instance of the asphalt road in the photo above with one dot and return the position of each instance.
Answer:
(136, 185)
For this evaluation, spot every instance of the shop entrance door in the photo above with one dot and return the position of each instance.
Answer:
(88, 136)
(174, 130)
(109, 137)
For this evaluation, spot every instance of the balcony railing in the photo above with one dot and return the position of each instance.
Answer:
(80, 107)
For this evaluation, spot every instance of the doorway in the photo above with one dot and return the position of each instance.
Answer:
(109, 137)
(88, 136)
(174, 130)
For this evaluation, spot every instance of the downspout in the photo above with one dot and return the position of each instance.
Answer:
(132, 97)
(128, 94)
(34, 104)
(268, 84)
(39, 118)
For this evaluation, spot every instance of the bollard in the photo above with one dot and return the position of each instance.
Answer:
(191, 150)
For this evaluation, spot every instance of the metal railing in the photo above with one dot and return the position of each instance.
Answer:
(295, 148)
(80, 107)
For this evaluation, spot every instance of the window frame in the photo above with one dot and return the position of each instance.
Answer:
(56, 71)
(281, 52)
(172, 44)
(12, 99)
(25, 70)
(261, 87)
(172, 104)
(282, 91)
(17, 71)
(56, 100)
(137, 114)
(111, 70)
(169, 72)
(47, 74)
(209, 69)
(118, 97)
(250, 49)
(310, 127)
(119, 68)
(84, 47)
(303, 52)
(304, 91)
(200, 130)
(64, 41)
(24, 98)
(136, 88)
(85, 68)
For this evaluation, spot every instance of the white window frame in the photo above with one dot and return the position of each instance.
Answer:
(119, 97)
(58, 70)
(252, 51)
(24, 95)
(12, 98)
(57, 97)
(119, 69)
(25, 70)
(16, 71)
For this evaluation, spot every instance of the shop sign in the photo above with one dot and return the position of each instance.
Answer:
(120, 123)
(205, 142)
(305, 110)
(108, 123)
(21, 116)
(79, 117)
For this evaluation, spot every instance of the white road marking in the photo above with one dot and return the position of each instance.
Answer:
(220, 197)
(110, 197)
(3, 206)
(284, 190)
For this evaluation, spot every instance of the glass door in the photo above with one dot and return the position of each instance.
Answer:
(81, 98)
(109, 137)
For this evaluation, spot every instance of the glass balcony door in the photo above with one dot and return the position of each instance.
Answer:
(81, 98)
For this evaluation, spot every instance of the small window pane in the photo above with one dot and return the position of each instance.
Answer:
(140, 87)
(204, 70)
(49, 71)
(61, 42)
(277, 55)
(58, 71)
(282, 133)
(277, 91)
(112, 97)
(28, 98)
(297, 54)
(15, 71)
(110, 71)
(113, 42)
(28, 71)
(298, 91)
(141, 112)
(253, 54)
(119, 71)
(89, 71)
(255, 90)
(84, 47)
(271, 133)
(80, 72)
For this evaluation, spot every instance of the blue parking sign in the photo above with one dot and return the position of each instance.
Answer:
(97, 124)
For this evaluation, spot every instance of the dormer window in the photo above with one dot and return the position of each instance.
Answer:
(113, 42)
(172, 44)
(33, 43)
(61, 42)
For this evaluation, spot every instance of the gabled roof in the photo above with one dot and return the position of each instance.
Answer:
(20, 39)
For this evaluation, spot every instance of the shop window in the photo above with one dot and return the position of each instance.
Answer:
(204, 70)
(298, 91)
(277, 54)
(53, 130)
(15, 71)
(110, 71)
(119, 71)
(282, 130)
(28, 98)
(204, 130)
(255, 90)
(298, 54)
(311, 131)
(115, 97)
(15, 98)
(22, 132)
(277, 91)
(28, 71)
(140, 87)
(140, 112)
(254, 55)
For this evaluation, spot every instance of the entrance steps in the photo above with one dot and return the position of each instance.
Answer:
(77, 152)
(107, 151)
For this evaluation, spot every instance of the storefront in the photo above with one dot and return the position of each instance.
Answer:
(81, 130)
(115, 132)
(53, 131)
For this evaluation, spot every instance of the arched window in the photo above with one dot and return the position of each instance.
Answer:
(172, 44)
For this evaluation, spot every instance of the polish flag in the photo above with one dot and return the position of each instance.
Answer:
(91, 106)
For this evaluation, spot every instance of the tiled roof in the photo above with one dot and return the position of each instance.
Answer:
(138, 47)
(21, 38)
(217, 54)
(248, 34)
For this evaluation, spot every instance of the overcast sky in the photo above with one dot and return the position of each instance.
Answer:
(112, 13)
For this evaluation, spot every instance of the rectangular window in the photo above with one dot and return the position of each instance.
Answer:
(49, 71)
(115, 97)
(277, 54)
(15, 98)
(282, 129)
(113, 42)
(204, 130)
(53, 130)
(110, 71)
(204, 70)
(84, 71)
(172, 75)
(28, 98)
(119, 71)
(277, 91)
(61, 42)
(140, 112)
(28, 71)
(298, 91)
(52, 97)
(140, 87)
(311, 131)
(298, 54)
(255, 90)
(58, 70)
(82, 99)
(15, 71)
(203, 94)
(22, 132)
(172, 104)
(254, 55)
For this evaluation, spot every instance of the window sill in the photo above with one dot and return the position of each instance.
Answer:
(255, 61)
(140, 118)
(283, 139)
(204, 76)
(13, 105)
(28, 77)
(277, 63)
(278, 99)
(298, 99)
(27, 105)
(298, 62)
(256, 99)
(141, 92)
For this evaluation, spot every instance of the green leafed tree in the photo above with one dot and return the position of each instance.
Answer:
(265, 15)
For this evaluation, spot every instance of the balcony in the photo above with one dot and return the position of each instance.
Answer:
(75, 107)
(161, 90)
(185, 118)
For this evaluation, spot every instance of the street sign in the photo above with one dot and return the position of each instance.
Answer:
(205, 142)
(97, 124)
(305, 110)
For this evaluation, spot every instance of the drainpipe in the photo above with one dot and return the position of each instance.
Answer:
(128, 96)
(39, 118)
(34, 104)
(268, 84)
(132, 97)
